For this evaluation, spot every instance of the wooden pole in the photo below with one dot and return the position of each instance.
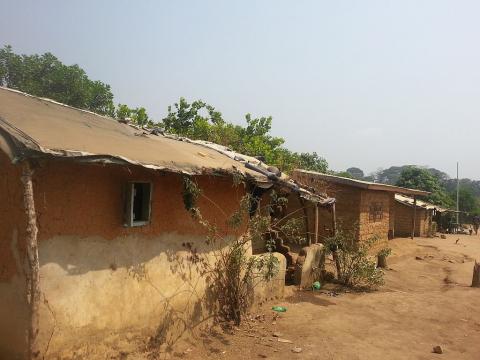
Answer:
(33, 267)
(414, 215)
(316, 223)
(334, 220)
(476, 275)
(335, 253)
(307, 227)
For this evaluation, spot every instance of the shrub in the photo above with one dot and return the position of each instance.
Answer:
(232, 273)
(355, 266)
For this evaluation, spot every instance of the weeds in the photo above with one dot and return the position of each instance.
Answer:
(232, 272)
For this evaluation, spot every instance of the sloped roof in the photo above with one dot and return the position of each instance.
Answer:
(33, 126)
(407, 200)
(36, 127)
(361, 184)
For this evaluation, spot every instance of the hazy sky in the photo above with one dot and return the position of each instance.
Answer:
(364, 83)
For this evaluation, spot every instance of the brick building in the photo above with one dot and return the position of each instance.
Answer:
(424, 216)
(364, 207)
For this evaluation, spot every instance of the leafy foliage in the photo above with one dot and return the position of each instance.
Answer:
(44, 75)
(418, 178)
(233, 273)
(356, 173)
(357, 268)
(200, 121)
(468, 202)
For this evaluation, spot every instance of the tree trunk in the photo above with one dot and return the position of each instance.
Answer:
(476, 275)
(33, 267)
(337, 265)
(382, 261)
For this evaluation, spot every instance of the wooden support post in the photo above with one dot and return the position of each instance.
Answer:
(335, 253)
(414, 215)
(33, 267)
(316, 223)
(476, 275)
(334, 220)
(307, 227)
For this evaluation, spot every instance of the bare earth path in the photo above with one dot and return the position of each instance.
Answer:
(427, 301)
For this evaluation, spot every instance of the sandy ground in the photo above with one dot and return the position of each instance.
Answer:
(426, 301)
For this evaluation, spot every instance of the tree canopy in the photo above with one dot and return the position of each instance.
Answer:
(418, 178)
(46, 76)
(200, 121)
(356, 173)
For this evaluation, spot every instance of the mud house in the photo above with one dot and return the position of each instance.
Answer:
(366, 207)
(423, 212)
(93, 224)
(303, 206)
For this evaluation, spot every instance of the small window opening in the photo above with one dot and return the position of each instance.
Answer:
(138, 207)
(376, 212)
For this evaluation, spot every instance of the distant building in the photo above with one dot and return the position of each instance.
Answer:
(425, 214)
(364, 207)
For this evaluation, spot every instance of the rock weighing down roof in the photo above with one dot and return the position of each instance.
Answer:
(362, 184)
(36, 127)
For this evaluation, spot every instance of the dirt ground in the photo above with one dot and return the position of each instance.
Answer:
(426, 301)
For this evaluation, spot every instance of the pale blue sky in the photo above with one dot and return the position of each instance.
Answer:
(363, 83)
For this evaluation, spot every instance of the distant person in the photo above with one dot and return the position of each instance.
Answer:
(476, 223)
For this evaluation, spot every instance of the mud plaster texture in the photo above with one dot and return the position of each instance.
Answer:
(99, 277)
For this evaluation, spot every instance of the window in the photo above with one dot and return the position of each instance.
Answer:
(138, 203)
(376, 212)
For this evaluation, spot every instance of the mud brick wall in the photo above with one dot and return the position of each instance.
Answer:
(353, 207)
(403, 221)
(347, 202)
(370, 227)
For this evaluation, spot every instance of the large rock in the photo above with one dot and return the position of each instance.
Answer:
(274, 288)
(309, 265)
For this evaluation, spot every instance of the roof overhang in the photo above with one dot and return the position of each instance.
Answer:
(363, 184)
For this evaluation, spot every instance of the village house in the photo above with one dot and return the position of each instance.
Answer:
(425, 215)
(93, 225)
(366, 208)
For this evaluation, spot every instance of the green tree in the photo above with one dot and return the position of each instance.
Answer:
(356, 173)
(140, 116)
(123, 112)
(200, 121)
(418, 178)
(467, 200)
(44, 75)
(313, 162)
